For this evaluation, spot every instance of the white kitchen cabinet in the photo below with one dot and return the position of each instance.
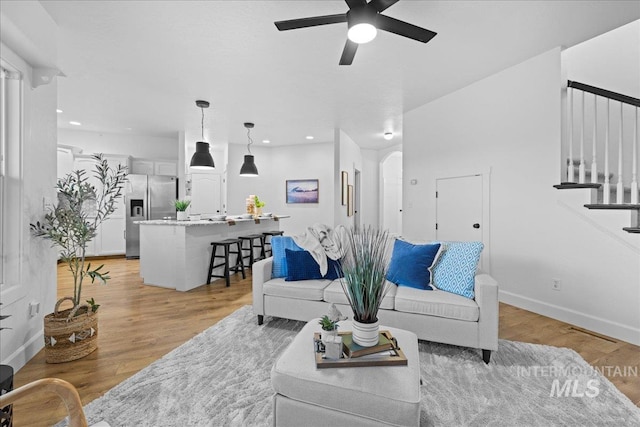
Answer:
(109, 238)
(206, 192)
(142, 167)
(167, 168)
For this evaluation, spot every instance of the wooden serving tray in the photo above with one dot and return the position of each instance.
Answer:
(394, 357)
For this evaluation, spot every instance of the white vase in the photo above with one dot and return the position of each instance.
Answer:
(182, 216)
(365, 334)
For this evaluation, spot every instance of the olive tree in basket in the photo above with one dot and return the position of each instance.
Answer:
(70, 226)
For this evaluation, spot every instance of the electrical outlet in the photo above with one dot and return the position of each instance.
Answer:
(556, 284)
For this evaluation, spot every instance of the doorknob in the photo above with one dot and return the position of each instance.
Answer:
(476, 225)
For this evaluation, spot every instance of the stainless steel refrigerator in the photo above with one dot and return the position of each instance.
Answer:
(147, 197)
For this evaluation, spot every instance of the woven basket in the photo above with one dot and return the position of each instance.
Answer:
(70, 336)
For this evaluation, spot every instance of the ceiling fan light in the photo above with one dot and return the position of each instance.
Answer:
(362, 33)
(248, 167)
(202, 159)
(388, 136)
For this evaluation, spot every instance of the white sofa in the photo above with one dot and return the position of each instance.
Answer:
(436, 315)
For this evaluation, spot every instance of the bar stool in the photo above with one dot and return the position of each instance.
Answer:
(267, 243)
(227, 246)
(251, 238)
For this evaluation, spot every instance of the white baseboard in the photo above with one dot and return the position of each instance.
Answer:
(586, 321)
(25, 352)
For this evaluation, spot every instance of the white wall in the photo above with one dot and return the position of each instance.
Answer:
(275, 166)
(370, 178)
(347, 157)
(610, 61)
(509, 123)
(143, 146)
(37, 260)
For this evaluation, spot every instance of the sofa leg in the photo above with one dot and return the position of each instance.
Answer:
(486, 355)
(261, 320)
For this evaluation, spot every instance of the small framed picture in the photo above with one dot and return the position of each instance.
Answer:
(350, 200)
(345, 183)
(302, 190)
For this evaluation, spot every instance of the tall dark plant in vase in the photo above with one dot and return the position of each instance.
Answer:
(364, 266)
(70, 225)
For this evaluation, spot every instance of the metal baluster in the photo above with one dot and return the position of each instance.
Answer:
(606, 189)
(594, 166)
(581, 169)
(620, 186)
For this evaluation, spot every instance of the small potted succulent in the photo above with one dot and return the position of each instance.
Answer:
(181, 208)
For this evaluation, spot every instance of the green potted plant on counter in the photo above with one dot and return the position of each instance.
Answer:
(70, 226)
(181, 209)
(364, 267)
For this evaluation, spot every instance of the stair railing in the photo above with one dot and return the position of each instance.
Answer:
(623, 101)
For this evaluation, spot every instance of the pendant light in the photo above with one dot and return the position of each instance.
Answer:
(202, 158)
(249, 167)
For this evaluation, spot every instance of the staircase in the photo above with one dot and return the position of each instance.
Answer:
(596, 108)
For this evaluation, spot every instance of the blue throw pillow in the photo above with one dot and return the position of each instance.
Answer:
(455, 271)
(301, 266)
(334, 269)
(410, 264)
(278, 246)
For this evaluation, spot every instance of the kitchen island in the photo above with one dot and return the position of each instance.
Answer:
(176, 254)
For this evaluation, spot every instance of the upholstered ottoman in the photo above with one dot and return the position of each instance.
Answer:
(363, 396)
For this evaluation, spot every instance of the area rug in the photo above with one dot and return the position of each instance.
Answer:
(221, 377)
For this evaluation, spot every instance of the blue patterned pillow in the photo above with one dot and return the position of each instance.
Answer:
(278, 246)
(301, 266)
(455, 271)
(411, 264)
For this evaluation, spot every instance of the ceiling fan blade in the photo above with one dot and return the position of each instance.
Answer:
(405, 29)
(381, 5)
(356, 3)
(348, 53)
(292, 24)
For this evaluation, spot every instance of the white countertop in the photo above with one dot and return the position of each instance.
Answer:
(207, 221)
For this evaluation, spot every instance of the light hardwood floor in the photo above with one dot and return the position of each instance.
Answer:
(139, 324)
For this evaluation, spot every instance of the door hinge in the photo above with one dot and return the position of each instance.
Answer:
(436, 225)
(436, 194)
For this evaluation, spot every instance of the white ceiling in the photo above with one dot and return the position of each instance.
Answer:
(139, 66)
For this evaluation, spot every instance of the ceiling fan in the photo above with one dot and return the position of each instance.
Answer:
(363, 19)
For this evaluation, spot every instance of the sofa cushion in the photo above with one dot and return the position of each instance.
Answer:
(278, 246)
(455, 270)
(302, 289)
(411, 264)
(436, 303)
(335, 294)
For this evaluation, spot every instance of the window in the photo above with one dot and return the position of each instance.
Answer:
(10, 181)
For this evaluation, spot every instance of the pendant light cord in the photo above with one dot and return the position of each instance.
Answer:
(250, 140)
(202, 123)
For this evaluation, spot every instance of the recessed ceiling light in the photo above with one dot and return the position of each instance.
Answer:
(266, 141)
(58, 110)
(128, 128)
(75, 123)
(388, 136)
(309, 137)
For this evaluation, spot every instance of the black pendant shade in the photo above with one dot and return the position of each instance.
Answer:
(248, 167)
(202, 158)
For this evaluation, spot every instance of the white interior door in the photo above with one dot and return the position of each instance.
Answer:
(459, 208)
(392, 194)
(205, 193)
